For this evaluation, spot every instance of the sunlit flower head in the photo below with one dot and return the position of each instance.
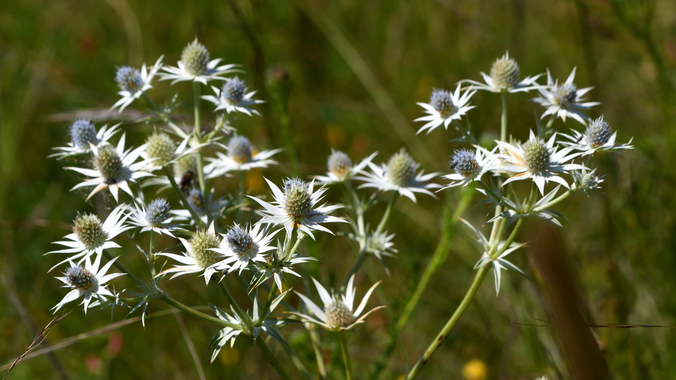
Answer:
(341, 168)
(155, 217)
(83, 133)
(586, 180)
(160, 150)
(537, 159)
(133, 83)
(91, 236)
(505, 76)
(199, 255)
(241, 246)
(233, 97)
(444, 107)
(338, 312)
(113, 167)
(241, 156)
(470, 166)
(399, 174)
(297, 206)
(597, 136)
(88, 282)
(196, 65)
(564, 100)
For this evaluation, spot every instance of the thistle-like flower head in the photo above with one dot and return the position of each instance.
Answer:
(155, 217)
(199, 255)
(196, 65)
(233, 97)
(83, 133)
(129, 79)
(597, 136)
(341, 168)
(444, 107)
(133, 82)
(240, 149)
(89, 231)
(242, 246)
(564, 100)
(160, 148)
(240, 157)
(504, 76)
(586, 180)
(470, 166)
(195, 58)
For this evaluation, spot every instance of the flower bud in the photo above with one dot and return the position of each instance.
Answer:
(505, 73)
(240, 150)
(195, 58)
(297, 200)
(108, 163)
(339, 163)
(83, 132)
(201, 244)
(160, 147)
(401, 169)
(89, 231)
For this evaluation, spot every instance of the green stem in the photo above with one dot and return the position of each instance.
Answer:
(503, 118)
(268, 302)
(184, 200)
(270, 356)
(200, 162)
(357, 264)
(241, 196)
(196, 313)
(242, 315)
(316, 347)
(388, 211)
(441, 337)
(129, 275)
(555, 200)
(152, 257)
(346, 355)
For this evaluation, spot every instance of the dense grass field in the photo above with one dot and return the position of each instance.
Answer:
(355, 71)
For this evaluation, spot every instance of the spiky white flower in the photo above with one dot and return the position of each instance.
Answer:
(597, 136)
(156, 217)
(87, 282)
(564, 100)
(160, 150)
(338, 312)
(241, 246)
(399, 174)
(134, 83)
(537, 159)
(199, 256)
(297, 207)
(113, 167)
(233, 97)
(341, 168)
(470, 166)
(91, 236)
(240, 157)
(504, 77)
(196, 65)
(83, 133)
(444, 107)
(586, 180)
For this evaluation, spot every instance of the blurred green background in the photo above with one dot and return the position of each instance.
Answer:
(356, 68)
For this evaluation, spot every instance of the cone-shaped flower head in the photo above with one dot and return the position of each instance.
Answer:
(108, 163)
(536, 155)
(444, 107)
(297, 199)
(240, 149)
(88, 281)
(464, 162)
(233, 97)
(338, 315)
(597, 136)
(470, 166)
(89, 231)
(201, 244)
(157, 212)
(195, 57)
(81, 279)
(199, 255)
(401, 169)
(565, 100)
(242, 245)
(339, 163)
(598, 132)
(442, 101)
(505, 73)
(129, 79)
(234, 90)
(155, 217)
(160, 148)
(83, 133)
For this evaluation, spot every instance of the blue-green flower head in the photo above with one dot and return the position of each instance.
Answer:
(81, 279)
(240, 150)
(157, 211)
(195, 199)
(565, 95)
(239, 241)
(598, 132)
(297, 199)
(129, 79)
(83, 132)
(234, 90)
(442, 101)
(89, 231)
(195, 57)
(464, 162)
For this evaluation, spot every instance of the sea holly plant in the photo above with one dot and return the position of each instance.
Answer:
(255, 244)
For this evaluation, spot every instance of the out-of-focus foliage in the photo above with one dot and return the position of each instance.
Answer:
(58, 60)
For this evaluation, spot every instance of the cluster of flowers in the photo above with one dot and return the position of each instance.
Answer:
(172, 159)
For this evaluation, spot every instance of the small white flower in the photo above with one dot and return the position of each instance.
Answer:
(91, 236)
(134, 83)
(113, 167)
(597, 136)
(233, 97)
(537, 160)
(196, 65)
(199, 256)
(338, 313)
(444, 107)
(586, 180)
(83, 133)
(240, 157)
(88, 281)
(564, 100)
(240, 246)
(505, 75)
(297, 206)
(156, 217)
(470, 166)
(399, 174)
(341, 168)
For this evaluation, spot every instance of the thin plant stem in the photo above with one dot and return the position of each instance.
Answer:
(441, 337)
(152, 257)
(357, 264)
(184, 200)
(346, 355)
(270, 356)
(316, 347)
(200, 163)
(196, 313)
(129, 275)
(388, 211)
(503, 117)
(242, 315)
(241, 196)
(268, 302)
